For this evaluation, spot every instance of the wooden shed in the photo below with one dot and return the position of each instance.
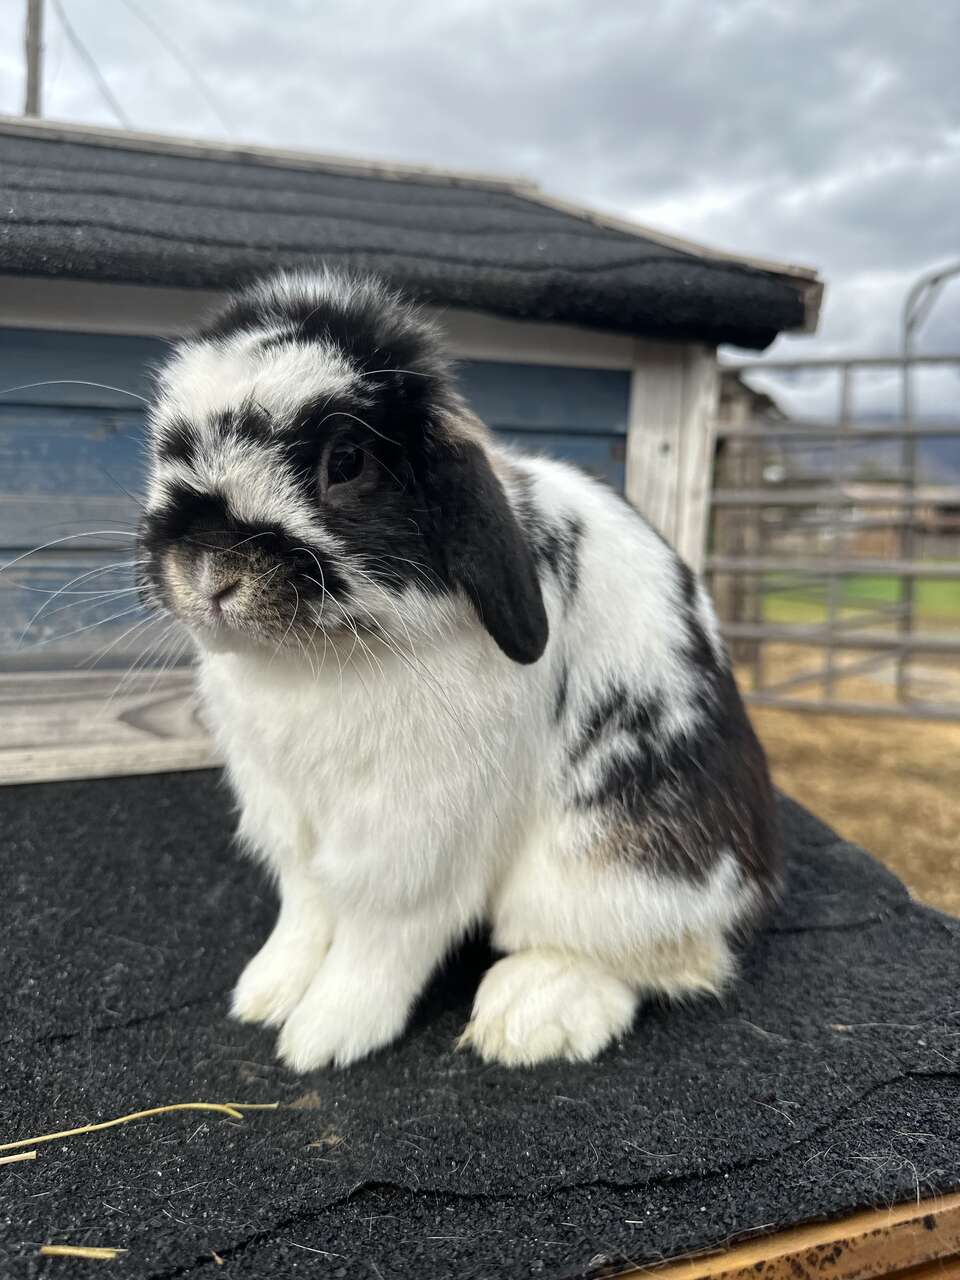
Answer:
(576, 332)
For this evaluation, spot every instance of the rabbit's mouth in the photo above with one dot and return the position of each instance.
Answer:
(232, 580)
(230, 597)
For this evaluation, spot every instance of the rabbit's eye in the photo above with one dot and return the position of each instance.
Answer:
(345, 462)
(347, 469)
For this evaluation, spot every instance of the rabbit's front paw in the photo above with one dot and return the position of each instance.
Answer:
(336, 1024)
(274, 981)
(537, 1005)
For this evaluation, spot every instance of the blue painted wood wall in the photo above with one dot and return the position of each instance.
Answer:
(71, 461)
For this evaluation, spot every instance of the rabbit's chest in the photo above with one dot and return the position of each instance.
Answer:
(325, 759)
(377, 799)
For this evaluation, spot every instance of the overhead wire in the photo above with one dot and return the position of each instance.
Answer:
(185, 64)
(91, 64)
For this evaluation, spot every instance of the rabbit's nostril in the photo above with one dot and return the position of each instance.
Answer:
(222, 595)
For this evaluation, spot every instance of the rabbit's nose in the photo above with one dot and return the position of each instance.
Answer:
(217, 581)
(219, 597)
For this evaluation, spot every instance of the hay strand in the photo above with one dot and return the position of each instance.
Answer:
(20, 1155)
(95, 1252)
(234, 1110)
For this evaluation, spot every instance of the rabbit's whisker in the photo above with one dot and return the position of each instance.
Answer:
(102, 653)
(73, 382)
(70, 537)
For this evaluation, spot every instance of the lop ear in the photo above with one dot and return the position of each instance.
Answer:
(482, 547)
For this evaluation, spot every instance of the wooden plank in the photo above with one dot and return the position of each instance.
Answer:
(67, 725)
(59, 608)
(881, 1242)
(840, 568)
(69, 360)
(64, 470)
(670, 441)
(536, 397)
(915, 710)
(603, 456)
(799, 432)
(854, 496)
(919, 642)
(831, 362)
(698, 441)
(653, 438)
(475, 335)
(64, 448)
(90, 522)
(88, 306)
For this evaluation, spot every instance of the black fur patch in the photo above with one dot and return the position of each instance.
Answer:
(699, 651)
(483, 548)
(616, 712)
(676, 804)
(560, 696)
(178, 442)
(250, 422)
(555, 543)
(557, 546)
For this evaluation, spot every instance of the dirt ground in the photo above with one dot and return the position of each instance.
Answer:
(892, 786)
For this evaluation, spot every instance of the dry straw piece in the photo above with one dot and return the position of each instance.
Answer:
(20, 1155)
(94, 1252)
(232, 1109)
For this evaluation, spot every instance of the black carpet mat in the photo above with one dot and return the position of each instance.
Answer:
(827, 1080)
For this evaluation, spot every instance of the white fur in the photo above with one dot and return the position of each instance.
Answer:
(216, 375)
(400, 803)
(547, 1004)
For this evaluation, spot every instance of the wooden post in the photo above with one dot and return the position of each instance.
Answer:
(670, 442)
(33, 46)
(737, 534)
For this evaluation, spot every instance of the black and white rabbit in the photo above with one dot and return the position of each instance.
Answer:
(453, 684)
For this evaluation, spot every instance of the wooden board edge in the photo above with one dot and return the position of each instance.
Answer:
(872, 1243)
(62, 764)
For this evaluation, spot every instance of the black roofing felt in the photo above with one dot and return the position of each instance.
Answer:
(828, 1080)
(104, 212)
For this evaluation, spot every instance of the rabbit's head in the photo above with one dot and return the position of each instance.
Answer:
(315, 474)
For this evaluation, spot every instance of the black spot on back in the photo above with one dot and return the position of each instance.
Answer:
(616, 711)
(560, 695)
(698, 649)
(554, 541)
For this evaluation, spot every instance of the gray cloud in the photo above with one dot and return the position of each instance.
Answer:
(823, 133)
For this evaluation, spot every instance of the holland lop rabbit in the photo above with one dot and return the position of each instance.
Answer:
(453, 685)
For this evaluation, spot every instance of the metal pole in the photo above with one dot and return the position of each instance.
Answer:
(33, 47)
(835, 589)
(917, 306)
(906, 541)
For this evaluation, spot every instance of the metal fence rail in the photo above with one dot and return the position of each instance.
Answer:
(818, 545)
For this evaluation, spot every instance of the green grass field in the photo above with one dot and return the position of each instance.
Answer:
(937, 601)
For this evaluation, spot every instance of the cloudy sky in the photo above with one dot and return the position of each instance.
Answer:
(824, 132)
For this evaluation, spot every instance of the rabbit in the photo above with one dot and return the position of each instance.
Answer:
(455, 686)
